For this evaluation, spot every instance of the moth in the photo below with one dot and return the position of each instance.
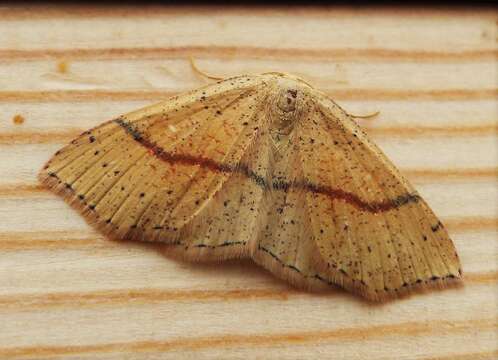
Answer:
(263, 167)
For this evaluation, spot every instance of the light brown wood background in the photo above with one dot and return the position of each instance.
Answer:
(67, 292)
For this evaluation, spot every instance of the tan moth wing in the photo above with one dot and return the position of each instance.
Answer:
(152, 174)
(261, 166)
(375, 233)
(338, 212)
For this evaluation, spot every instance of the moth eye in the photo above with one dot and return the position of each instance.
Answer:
(287, 100)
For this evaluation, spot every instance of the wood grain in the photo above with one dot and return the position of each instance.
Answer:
(67, 292)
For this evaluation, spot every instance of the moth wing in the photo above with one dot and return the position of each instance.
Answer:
(285, 243)
(376, 236)
(148, 174)
(228, 224)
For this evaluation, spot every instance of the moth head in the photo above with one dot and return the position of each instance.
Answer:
(287, 99)
(287, 102)
(284, 109)
(288, 95)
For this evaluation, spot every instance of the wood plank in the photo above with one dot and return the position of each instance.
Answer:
(67, 292)
(301, 28)
(35, 262)
(435, 345)
(176, 75)
(407, 118)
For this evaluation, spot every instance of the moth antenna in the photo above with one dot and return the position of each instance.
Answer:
(367, 116)
(200, 72)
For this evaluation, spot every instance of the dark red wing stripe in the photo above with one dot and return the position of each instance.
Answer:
(332, 193)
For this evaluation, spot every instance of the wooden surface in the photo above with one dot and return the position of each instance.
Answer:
(66, 292)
